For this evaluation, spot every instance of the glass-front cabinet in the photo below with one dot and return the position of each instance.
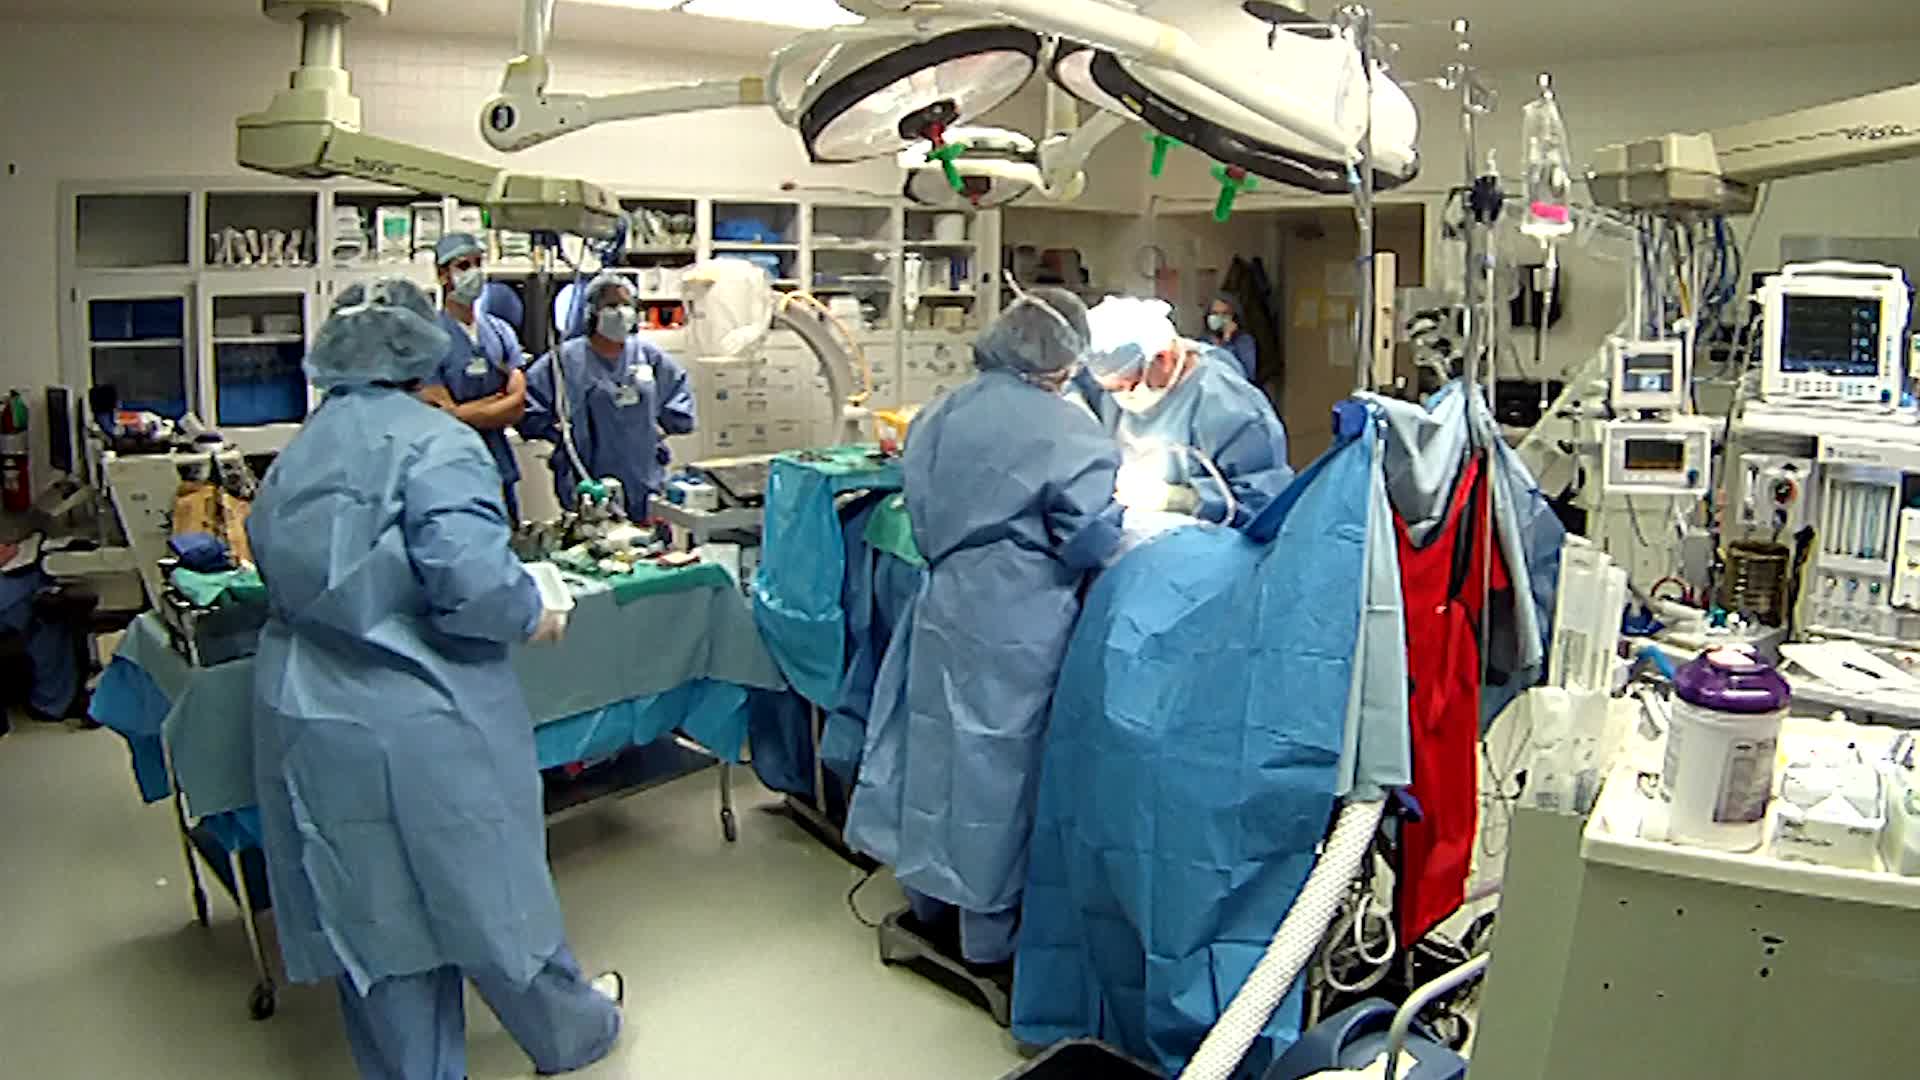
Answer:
(256, 335)
(135, 340)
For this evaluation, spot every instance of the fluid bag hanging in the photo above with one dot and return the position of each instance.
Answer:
(1548, 198)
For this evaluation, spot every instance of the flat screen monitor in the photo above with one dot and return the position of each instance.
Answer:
(1830, 335)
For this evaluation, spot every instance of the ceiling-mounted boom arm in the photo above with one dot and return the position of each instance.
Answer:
(524, 114)
(1720, 170)
(311, 130)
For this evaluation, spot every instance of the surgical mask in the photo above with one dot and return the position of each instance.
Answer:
(467, 285)
(1216, 322)
(1143, 398)
(614, 323)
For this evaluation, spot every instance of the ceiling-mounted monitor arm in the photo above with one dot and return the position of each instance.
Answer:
(311, 130)
(1865, 130)
(1718, 171)
(524, 114)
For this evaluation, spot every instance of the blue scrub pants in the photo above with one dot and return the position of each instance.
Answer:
(985, 938)
(415, 1027)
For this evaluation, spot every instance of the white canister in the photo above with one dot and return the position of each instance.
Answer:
(950, 229)
(1718, 775)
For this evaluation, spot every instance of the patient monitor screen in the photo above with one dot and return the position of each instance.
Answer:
(1830, 335)
(1647, 373)
(1655, 455)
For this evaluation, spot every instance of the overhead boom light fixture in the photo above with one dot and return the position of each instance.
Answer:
(998, 167)
(1304, 61)
(870, 98)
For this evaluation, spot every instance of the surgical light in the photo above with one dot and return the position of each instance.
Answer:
(1299, 65)
(1073, 71)
(998, 167)
(800, 14)
(871, 98)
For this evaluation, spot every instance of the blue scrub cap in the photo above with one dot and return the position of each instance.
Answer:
(381, 331)
(456, 245)
(1043, 331)
(606, 279)
(1125, 332)
(1233, 304)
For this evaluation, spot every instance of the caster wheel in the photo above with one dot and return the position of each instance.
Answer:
(261, 1002)
(729, 827)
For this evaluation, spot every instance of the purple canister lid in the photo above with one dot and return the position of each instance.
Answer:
(1731, 679)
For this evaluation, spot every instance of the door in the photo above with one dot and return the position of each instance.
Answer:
(1318, 290)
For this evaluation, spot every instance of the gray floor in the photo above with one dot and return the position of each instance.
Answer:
(741, 960)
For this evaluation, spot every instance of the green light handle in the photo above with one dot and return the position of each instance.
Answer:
(1233, 180)
(1161, 144)
(592, 489)
(946, 155)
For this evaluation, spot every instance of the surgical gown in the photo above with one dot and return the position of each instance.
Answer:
(618, 411)
(476, 368)
(1010, 490)
(393, 752)
(1216, 413)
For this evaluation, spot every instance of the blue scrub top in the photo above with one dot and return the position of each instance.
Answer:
(472, 370)
(619, 410)
(1245, 350)
(1218, 413)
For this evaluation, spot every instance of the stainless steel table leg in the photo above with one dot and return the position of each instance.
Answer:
(817, 724)
(186, 841)
(261, 1002)
(729, 826)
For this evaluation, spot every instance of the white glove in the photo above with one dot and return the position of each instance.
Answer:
(1139, 489)
(551, 628)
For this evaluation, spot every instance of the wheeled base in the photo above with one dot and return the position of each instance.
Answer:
(901, 945)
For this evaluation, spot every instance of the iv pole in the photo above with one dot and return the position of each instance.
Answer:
(1356, 21)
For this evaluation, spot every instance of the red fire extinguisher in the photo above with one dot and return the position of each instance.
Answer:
(16, 485)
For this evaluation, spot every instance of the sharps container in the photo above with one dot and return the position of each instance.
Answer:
(1718, 774)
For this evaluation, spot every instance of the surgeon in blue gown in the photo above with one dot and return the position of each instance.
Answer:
(1197, 438)
(1009, 488)
(623, 397)
(393, 753)
(479, 380)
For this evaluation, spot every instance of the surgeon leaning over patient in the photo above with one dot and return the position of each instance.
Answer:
(623, 397)
(393, 753)
(1197, 438)
(1010, 491)
(479, 379)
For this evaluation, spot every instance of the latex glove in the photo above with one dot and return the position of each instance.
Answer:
(551, 628)
(1139, 489)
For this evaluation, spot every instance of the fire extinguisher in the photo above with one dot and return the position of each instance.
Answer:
(16, 485)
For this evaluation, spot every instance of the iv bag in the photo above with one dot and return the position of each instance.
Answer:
(1549, 175)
